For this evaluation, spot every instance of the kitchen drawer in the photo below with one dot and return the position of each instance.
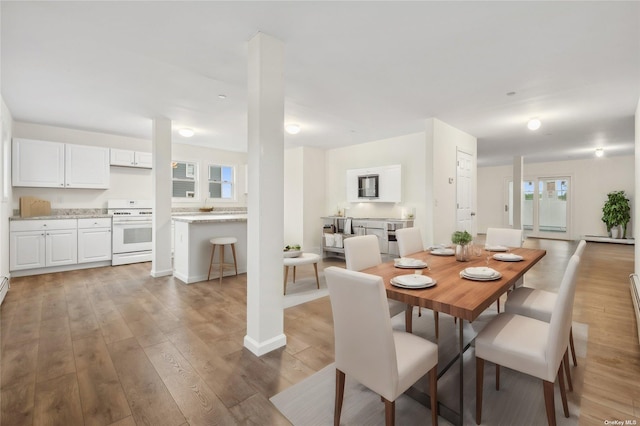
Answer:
(102, 222)
(44, 224)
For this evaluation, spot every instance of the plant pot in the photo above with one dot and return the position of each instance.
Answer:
(463, 253)
(615, 232)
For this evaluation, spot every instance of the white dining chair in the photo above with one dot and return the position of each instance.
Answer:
(530, 346)
(368, 349)
(409, 242)
(364, 252)
(505, 237)
(539, 304)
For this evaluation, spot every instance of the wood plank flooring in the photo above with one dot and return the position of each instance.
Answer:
(113, 346)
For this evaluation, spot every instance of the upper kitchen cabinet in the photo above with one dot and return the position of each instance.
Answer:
(58, 165)
(126, 158)
(375, 184)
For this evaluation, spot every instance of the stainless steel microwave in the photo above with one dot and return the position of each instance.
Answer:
(369, 186)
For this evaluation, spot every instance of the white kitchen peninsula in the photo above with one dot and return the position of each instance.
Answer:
(192, 250)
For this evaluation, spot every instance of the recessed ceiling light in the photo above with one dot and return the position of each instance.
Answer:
(292, 129)
(511, 93)
(534, 124)
(222, 96)
(187, 133)
(599, 152)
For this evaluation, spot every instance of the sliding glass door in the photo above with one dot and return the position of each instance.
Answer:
(545, 206)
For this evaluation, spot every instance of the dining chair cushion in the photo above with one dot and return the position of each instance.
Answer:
(366, 347)
(531, 302)
(504, 237)
(362, 252)
(516, 342)
(409, 241)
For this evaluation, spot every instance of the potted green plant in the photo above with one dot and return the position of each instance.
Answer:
(616, 212)
(461, 239)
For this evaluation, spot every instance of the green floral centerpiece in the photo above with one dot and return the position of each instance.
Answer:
(461, 239)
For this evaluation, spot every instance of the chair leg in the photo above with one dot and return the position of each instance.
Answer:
(315, 267)
(408, 319)
(497, 377)
(433, 391)
(549, 403)
(498, 302)
(339, 396)
(389, 413)
(479, 382)
(286, 274)
(565, 361)
(563, 391)
(573, 350)
(213, 250)
(221, 263)
(294, 273)
(235, 263)
(436, 321)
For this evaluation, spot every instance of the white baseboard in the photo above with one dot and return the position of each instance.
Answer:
(262, 348)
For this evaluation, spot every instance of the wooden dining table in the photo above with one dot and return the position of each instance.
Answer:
(457, 296)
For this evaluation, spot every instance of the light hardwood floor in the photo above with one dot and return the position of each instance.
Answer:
(115, 346)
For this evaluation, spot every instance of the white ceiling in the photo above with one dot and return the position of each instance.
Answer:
(354, 71)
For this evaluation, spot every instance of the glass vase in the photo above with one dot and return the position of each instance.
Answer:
(463, 252)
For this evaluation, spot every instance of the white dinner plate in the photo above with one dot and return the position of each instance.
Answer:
(481, 274)
(443, 252)
(409, 263)
(496, 248)
(413, 281)
(508, 257)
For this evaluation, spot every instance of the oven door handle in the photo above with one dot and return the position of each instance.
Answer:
(134, 224)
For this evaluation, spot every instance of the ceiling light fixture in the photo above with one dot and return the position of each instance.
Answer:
(221, 96)
(292, 129)
(187, 133)
(534, 124)
(599, 152)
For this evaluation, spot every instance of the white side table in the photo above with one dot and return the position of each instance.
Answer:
(303, 259)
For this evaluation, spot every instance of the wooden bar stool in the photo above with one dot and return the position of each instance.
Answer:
(222, 241)
(303, 259)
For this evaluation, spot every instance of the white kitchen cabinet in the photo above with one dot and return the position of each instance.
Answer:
(127, 158)
(94, 240)
(389, 184)
(58, 165)
(86, 167)
(42, 243)
(37, 163)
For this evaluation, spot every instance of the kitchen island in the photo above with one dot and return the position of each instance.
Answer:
(192, 250)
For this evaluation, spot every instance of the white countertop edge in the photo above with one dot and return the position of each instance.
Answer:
(211, 218)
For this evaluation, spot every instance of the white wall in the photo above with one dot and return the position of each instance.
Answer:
(293, 197)
(126, 182)
(408, 151)
(636, 215)
(446, 140)
(6, 208)
(591, 180)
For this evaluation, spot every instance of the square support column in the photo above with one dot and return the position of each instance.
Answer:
(161, 182)
(265, 225)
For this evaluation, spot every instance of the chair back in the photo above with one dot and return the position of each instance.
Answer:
(409, 241)
(580, 249)
(364, 343)
(504, 237)
(362, 252)
(561, 317)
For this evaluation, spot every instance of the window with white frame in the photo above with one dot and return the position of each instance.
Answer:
(184, 179)
(221, 182)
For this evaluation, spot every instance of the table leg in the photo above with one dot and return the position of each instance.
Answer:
(461, 365)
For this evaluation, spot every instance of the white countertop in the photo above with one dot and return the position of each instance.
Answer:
(211, 218)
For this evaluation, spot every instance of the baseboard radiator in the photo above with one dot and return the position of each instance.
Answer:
(635, 296)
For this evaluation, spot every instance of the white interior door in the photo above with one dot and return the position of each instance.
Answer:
(465, 193)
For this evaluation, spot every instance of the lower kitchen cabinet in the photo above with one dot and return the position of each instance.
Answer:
(94, 240)
(42, 243)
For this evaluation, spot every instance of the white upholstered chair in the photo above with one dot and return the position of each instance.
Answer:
(539, 304)
(530, 346)
(364, 252)
(505, 237)
(367, 348)
(409, 242)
